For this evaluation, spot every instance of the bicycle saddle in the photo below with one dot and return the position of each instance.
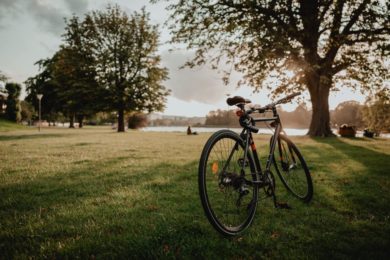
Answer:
(237, 100)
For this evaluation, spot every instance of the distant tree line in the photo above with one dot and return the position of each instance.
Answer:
(177, 121)
(373, 115)
(299, 118)
(107, 63)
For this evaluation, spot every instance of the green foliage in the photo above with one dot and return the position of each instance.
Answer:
(108, 62)
(321, 42)
(43, 83)
(27, 111)
(12, 111)
(274, 36)
(75, 71)
(102, 118)
(66, 85)
(376, 112)
(127, 65)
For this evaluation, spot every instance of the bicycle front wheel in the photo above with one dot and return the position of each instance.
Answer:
(292, 169)
(228, 199)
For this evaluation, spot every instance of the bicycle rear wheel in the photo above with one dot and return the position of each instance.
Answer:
(292, 169)
(228, 200)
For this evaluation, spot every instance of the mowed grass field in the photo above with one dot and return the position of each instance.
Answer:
(94, 193)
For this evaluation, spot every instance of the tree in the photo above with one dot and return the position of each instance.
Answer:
(127, 65)
(222, 118)
(43, 83)
(348, 112)
(322, 41)
(27, 111)
(12, 111)
(68, 79)
(137, 120)
(299, 118)
(75, 72)
(376, 112)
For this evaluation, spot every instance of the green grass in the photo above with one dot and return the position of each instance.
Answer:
(95, 193)
(6, 125)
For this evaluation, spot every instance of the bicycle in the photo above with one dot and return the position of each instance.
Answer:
(230, 174)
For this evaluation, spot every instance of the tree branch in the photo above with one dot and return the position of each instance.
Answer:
(325, 9)
(268, 12)
(342, 66)
(355, 16)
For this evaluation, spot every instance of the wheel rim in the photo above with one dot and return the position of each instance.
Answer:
(231, 209)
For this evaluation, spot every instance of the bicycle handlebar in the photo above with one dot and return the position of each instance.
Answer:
(247, 122)
(280, 101)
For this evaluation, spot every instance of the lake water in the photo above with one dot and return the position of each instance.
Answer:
(289, 131)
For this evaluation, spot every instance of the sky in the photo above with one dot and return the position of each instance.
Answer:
(31, 30)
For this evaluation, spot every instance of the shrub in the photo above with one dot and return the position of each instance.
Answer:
(137, 120)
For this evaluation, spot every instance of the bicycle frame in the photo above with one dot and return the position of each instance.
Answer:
(246, 134)
(231, 173)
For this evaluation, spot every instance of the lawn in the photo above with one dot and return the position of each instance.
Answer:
(6, 125)
(94, 193)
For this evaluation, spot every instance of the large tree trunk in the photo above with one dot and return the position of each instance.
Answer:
(71, 121)
(319, 87)
(80, 119)
(121, 120)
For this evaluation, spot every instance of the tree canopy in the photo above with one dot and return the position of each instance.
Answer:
(12, 111)
(376, 112)
(108, 62)
(127, 64)
(323, 42)
(44, 83)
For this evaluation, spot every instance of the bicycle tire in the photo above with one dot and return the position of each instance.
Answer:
(211, 163)
(294, 175)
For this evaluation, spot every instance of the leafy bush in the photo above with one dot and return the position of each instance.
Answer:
(137, 120)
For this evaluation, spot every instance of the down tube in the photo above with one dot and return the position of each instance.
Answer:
(272, 147)
(255, 155)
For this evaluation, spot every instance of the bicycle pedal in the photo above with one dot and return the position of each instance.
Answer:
(282, 205)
